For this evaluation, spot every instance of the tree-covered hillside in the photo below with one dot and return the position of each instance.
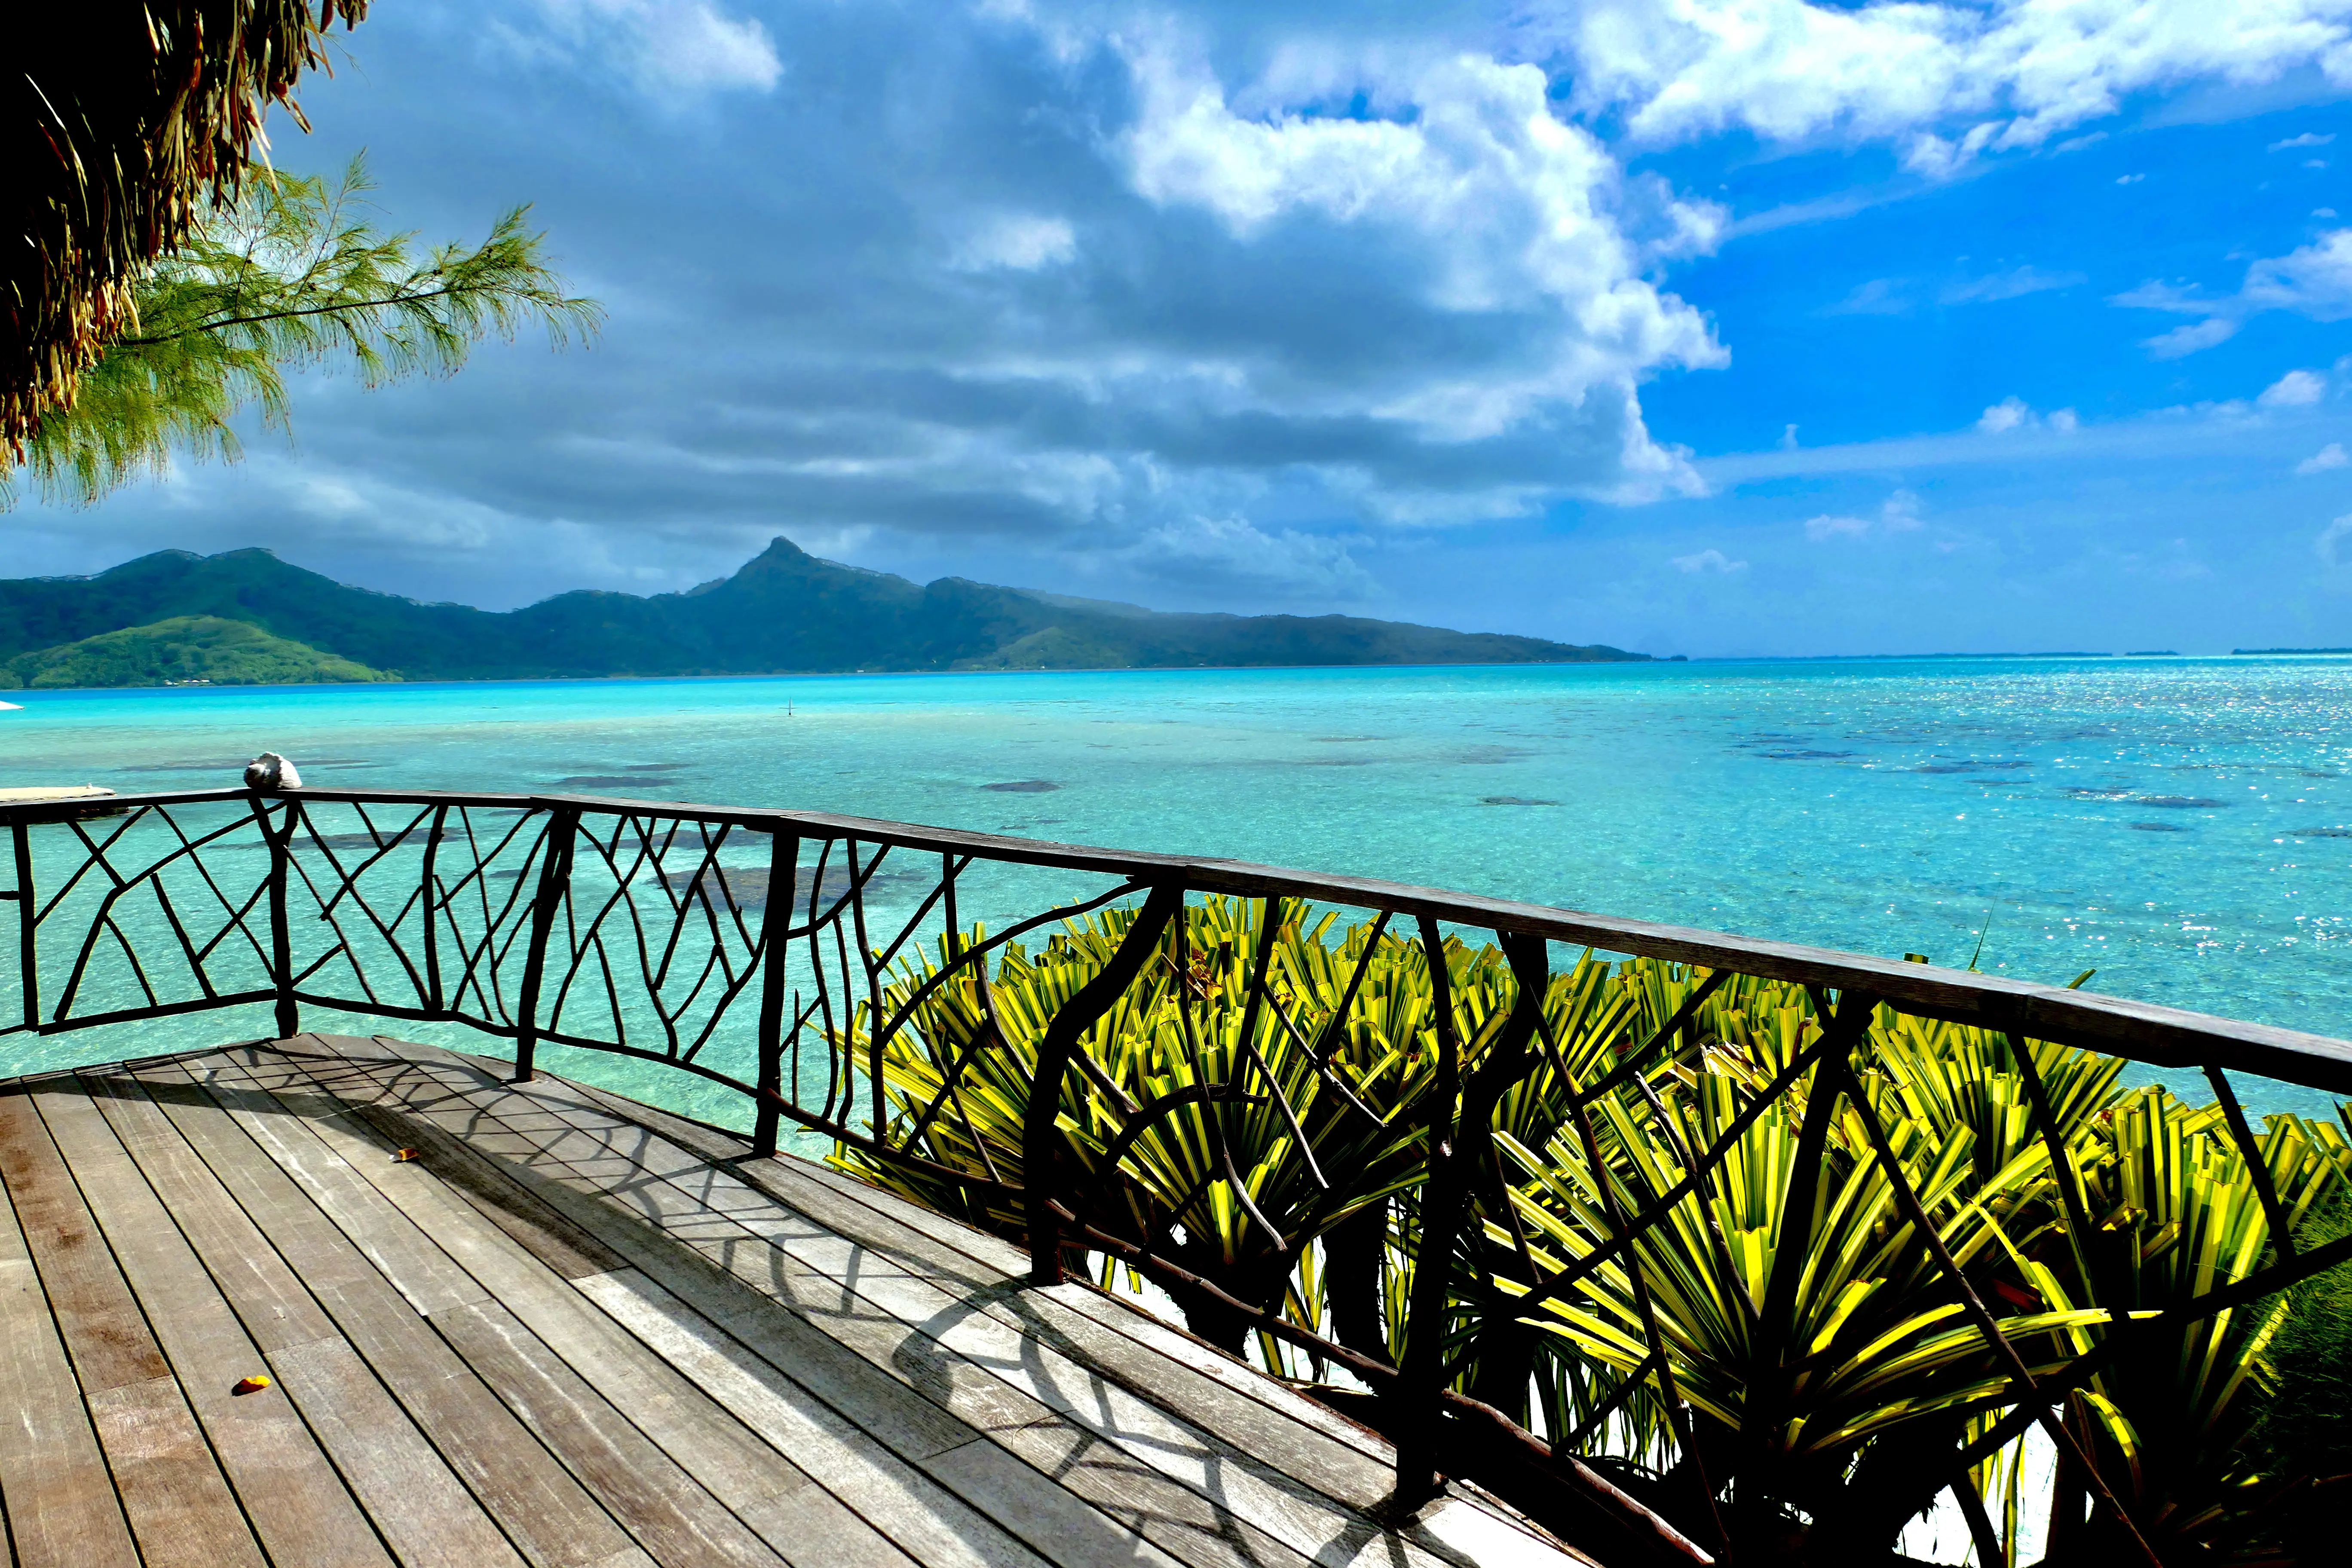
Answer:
(184, 648)
(785, 611)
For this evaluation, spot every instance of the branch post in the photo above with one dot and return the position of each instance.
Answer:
(281, 935)
(554, 881)
(1444, 1202)
(29, 914)
(1039, 1135)
(775, 922)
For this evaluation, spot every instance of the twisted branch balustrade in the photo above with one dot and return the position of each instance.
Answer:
(780, 956)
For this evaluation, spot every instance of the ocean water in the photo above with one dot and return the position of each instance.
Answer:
(2181, 826)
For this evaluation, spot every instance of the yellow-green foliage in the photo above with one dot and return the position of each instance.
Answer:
(1872, 1374)
(1876, 1341)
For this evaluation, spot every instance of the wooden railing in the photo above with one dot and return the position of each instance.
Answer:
(782, 956)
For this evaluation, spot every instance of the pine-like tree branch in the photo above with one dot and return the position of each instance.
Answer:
(290, 278)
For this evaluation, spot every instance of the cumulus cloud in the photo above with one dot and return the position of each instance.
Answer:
(1217, 294)
(2333, 545)
(2013, 412)
(671, 46)
(1899, 513)
(1232, 554)
(2295, 389)
(2329, 457)
(2308, 138)
(2314, 280)
(1706, 561)
(1018, 287)
(1501, 209)
(2005, 415)
(1022, 242)
(1944, 82)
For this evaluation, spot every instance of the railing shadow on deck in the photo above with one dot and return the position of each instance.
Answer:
(830, 970)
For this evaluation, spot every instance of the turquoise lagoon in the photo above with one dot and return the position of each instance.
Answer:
(2183, 826)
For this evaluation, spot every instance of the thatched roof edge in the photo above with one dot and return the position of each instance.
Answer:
(120, 122)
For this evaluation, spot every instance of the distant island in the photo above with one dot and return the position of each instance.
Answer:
(245, 617)
(2291, 651)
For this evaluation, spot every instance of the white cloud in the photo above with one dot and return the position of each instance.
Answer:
(1875, 297)
(2009, 285)
(2065, 421)
(1899, 513)
(1713, 561)
(2334, 542)
(2184, 340)
(2129, 179)
(2308, 138)
(671, 47)
(1945, 81)
(1222, 553)
(1018, 242)
(2293, 390)
(1895, 296)
(2329, 457)
(2314, 281)
(1505, 211)
(2007, 414)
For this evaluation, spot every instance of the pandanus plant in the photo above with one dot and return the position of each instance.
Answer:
(1822, 1369)
(1227, 1130)
(1826, 1360)
(1832, 1367)
(2171, 1425)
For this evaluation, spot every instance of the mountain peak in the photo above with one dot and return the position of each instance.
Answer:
(784, 610)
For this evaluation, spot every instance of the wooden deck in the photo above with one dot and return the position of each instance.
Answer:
(574, 1331)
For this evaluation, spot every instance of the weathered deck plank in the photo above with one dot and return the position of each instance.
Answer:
(298, 1505)
(415, 1501)
(1019, 1501)
(62, 1510)
(695, 1434)
(576, 1333)
(956, 1341)
(1060, 1416)
(1332, 1453)
(179, 1505)
(541, 1509)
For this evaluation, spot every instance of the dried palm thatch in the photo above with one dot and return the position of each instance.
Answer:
(119, 120)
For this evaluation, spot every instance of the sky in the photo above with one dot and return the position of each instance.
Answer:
(1713, 327)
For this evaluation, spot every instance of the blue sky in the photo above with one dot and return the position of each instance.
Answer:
(1708, 326)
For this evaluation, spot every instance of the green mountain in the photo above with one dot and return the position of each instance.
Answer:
(785, 611)
(183, 649)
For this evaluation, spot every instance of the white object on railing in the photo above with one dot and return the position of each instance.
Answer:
(271, 772)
